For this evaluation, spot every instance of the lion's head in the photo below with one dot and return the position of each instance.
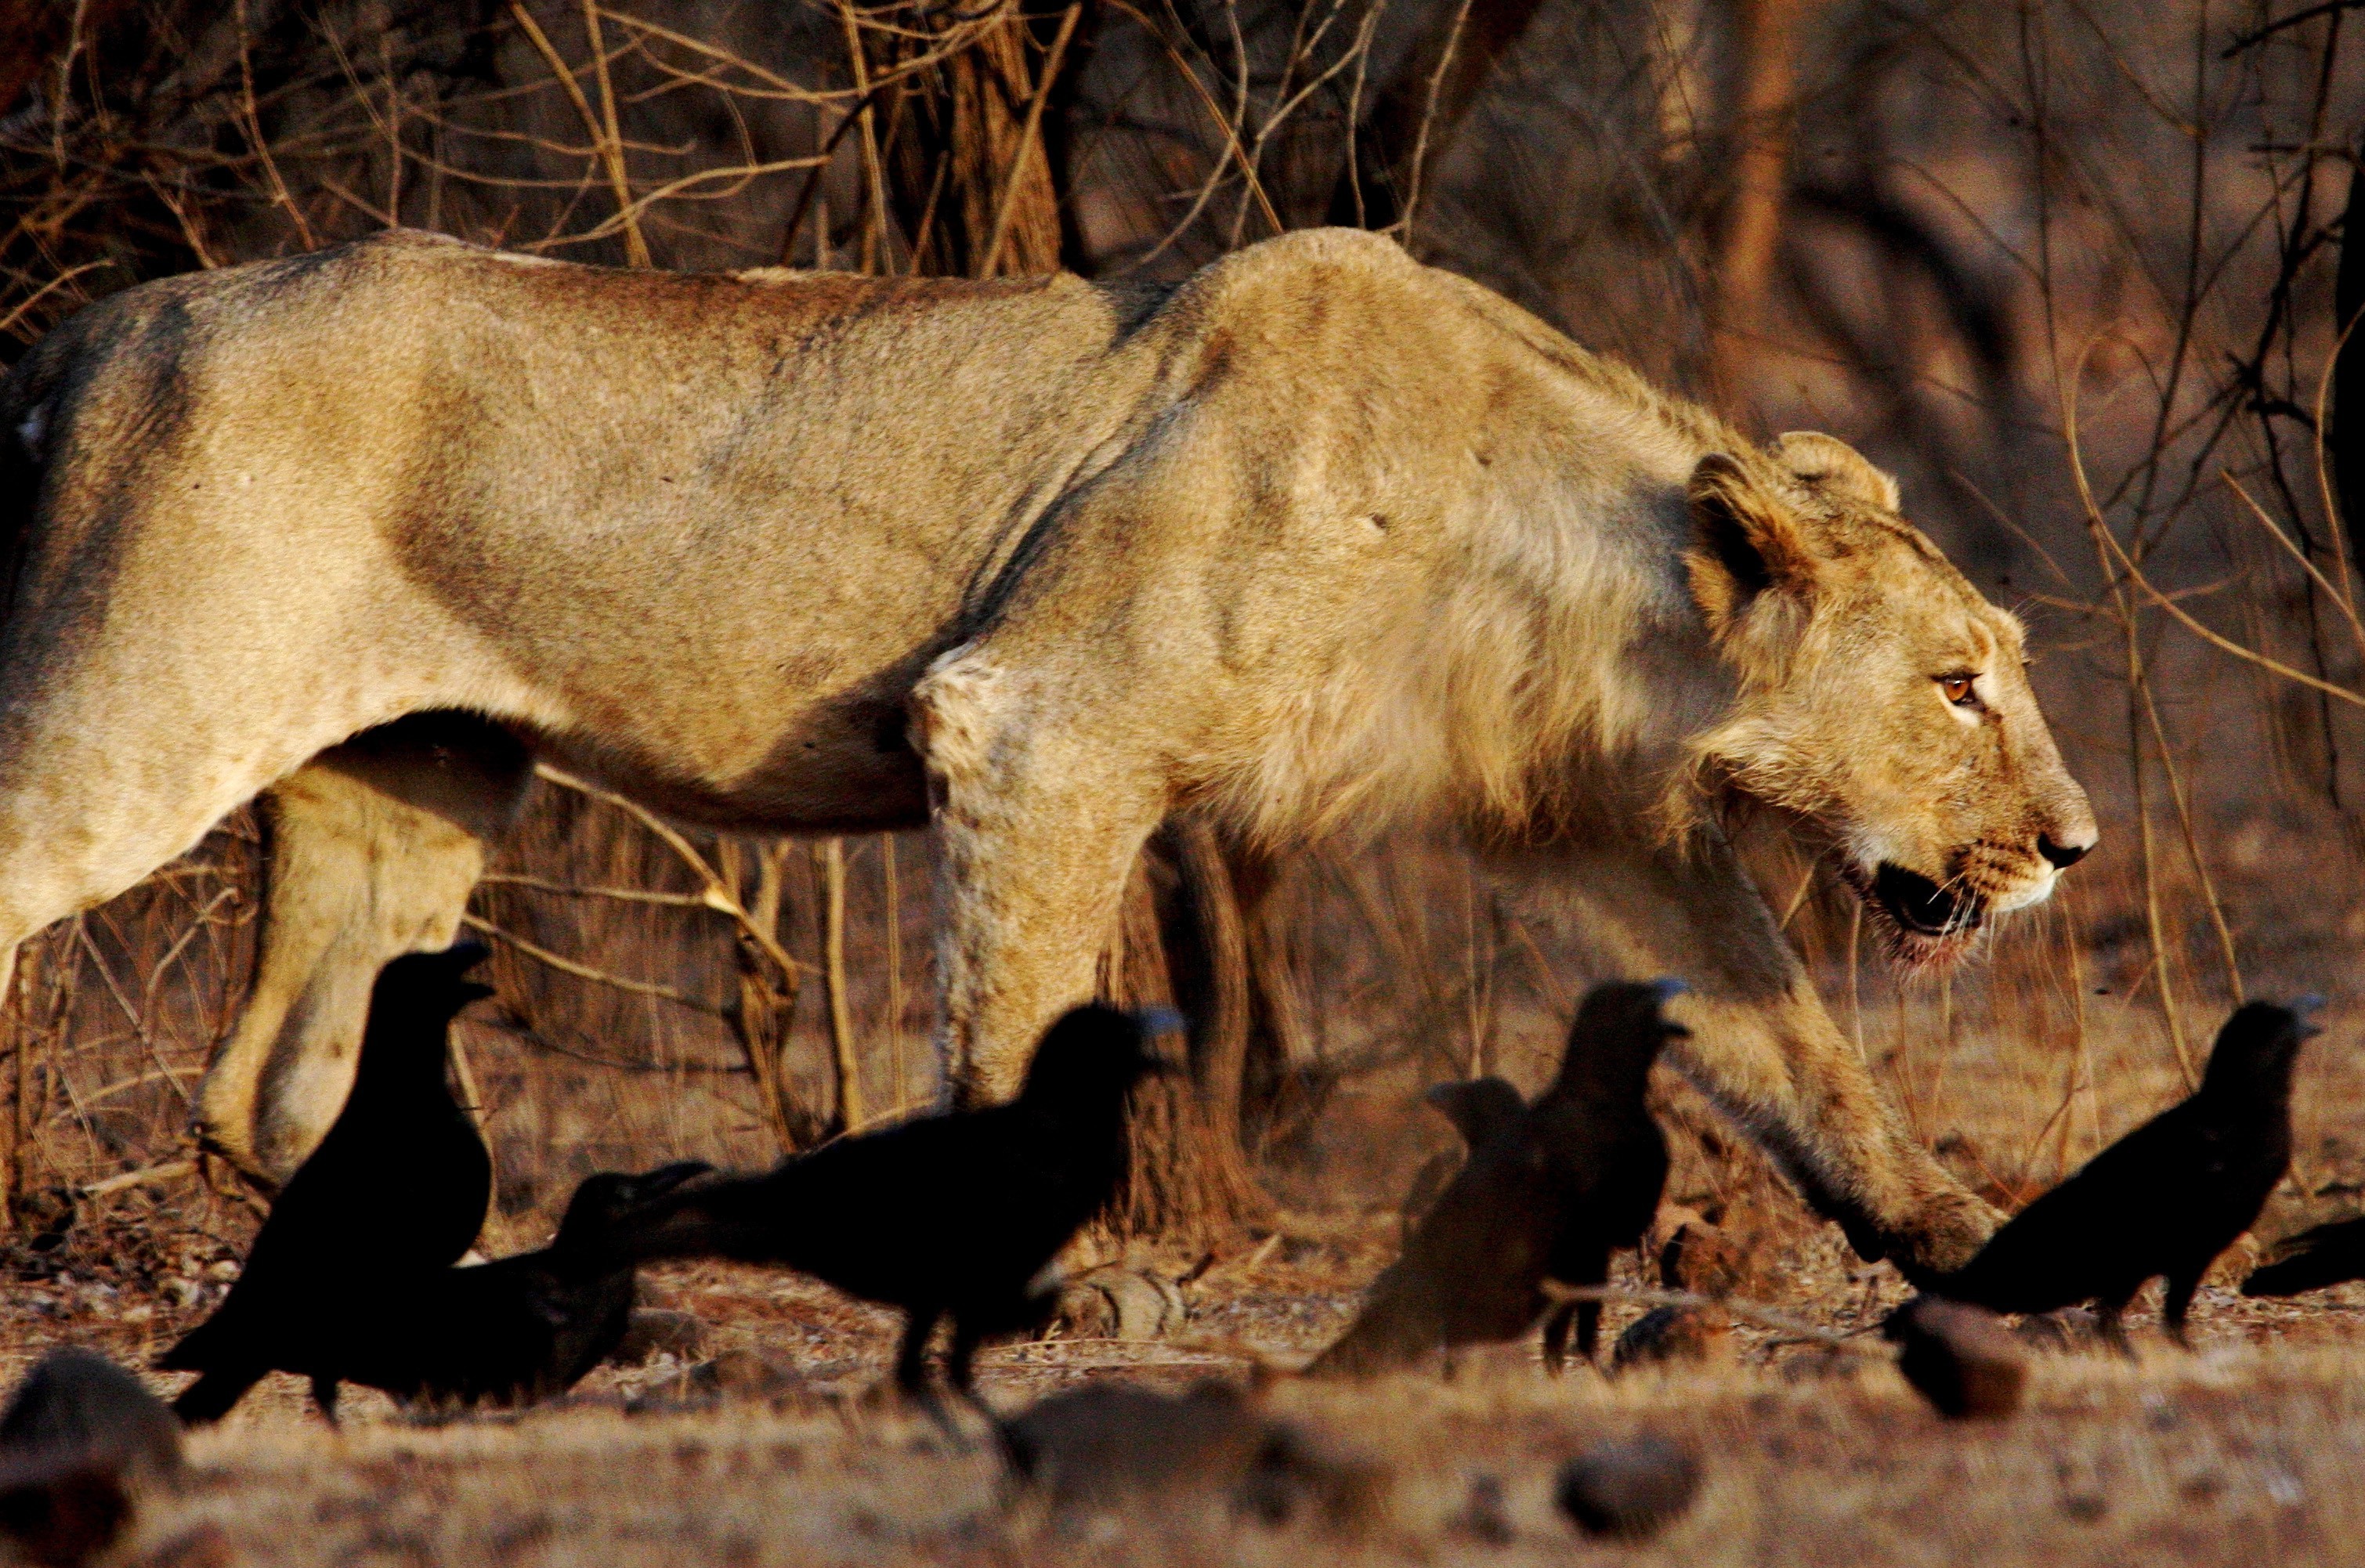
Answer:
(1882, 700)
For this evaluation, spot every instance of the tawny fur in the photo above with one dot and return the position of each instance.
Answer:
(1317, 539)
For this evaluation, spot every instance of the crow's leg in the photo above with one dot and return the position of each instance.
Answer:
(1556, 1336)
(1762, 1045)
(912, 1358)
(324, 1396)
(214, 1395)
(2179, 1305)
(1578, 1263)
(960, 1360)
(2110, 1318)
(1588, 1328)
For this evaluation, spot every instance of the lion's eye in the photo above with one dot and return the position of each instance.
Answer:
(1960, 689)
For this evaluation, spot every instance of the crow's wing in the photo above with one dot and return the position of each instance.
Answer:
(2111, 1220)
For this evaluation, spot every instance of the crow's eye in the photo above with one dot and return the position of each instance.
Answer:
(1960, 689)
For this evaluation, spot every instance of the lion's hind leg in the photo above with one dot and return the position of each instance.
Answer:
(374, 846)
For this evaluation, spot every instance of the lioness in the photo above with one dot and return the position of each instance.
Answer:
(1319, 538)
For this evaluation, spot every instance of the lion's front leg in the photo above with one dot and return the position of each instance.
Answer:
(1765, 1051)
(1039, 815)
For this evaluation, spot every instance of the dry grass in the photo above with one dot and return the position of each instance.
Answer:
(2252, 1450)
(2254, 1445)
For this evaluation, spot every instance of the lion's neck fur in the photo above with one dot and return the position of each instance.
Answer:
(1561, 672)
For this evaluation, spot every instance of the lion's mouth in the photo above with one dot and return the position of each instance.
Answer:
(1921, 907)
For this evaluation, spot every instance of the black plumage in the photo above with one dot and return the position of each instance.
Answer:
(2324, 1255)
(397, 1188)
(1480, 1109)
(525, 1328)
(1575, 1177)
(2166, 1199)
(1595, 1119)
(954, 1215)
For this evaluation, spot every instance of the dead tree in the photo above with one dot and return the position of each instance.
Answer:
(2348, 433)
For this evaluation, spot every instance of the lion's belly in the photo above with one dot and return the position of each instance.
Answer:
(763, 702)
(822, 787)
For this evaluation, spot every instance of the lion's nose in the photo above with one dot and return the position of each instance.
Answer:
(2063, 855)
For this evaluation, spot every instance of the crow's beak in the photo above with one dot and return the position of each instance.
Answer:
(1161, 1020)
(473, 991)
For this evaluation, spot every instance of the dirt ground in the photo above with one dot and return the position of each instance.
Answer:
(2250, 1450)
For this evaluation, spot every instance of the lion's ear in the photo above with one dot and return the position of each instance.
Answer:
(1747, 543)
(1832, 464)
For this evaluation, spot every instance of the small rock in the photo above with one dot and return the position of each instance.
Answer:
(734, 1377)
(1960, 1357)
(2071, 1329)
(76, 1402)
(1667, 1334)
(81, 1441)
(1629, 1490)
(207, 1546)
(1486, 1514)
(1296, 1470)
(1105, 1441)
(659, 1331)
(1108, 1442)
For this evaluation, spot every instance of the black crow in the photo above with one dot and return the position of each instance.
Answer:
(2166, 1199)
(1593, 1119)
(397, 1188)
(1480, 1109)
(1577, 1174)
(952, 1216)
(2324, 1255)
(513, 1332)
(81, 1440)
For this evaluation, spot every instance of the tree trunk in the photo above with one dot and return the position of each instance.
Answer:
(971, 179)
(1764, 53)
(2348, 433)
(1178, 943)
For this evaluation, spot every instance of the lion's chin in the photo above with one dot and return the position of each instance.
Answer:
(1922, 927)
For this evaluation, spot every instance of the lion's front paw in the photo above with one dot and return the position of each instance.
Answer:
(1944, 1234)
